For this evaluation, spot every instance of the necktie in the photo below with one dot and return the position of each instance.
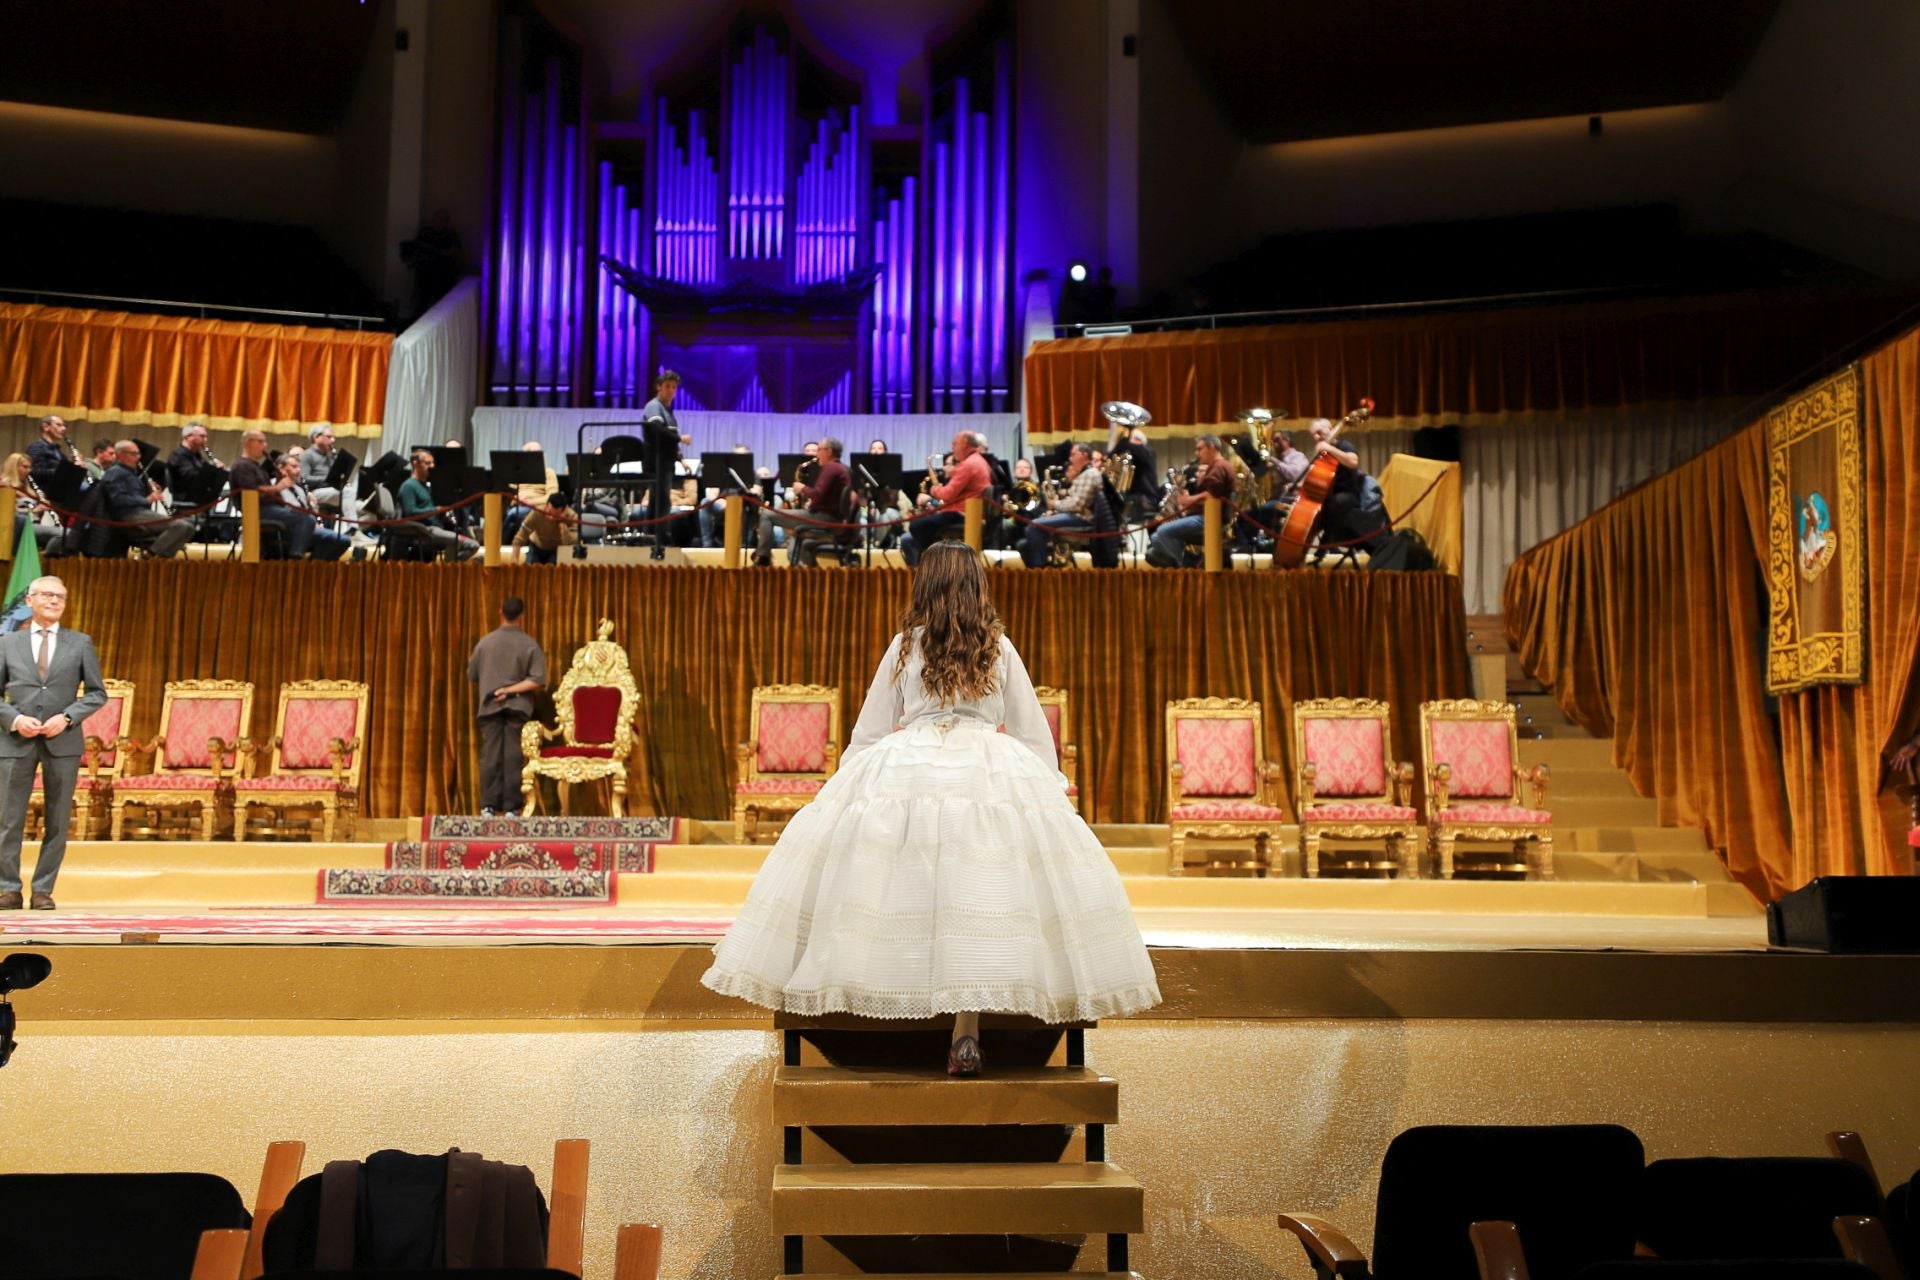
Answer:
(46, 639)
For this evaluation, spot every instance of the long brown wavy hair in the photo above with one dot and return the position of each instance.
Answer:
(959, 630)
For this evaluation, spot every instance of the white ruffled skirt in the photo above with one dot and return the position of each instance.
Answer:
(943, 870)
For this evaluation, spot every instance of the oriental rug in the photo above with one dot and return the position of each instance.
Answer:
(361, 886)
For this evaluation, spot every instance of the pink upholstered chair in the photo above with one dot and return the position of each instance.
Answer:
(1474, 776)
(1220, 786)
(794, 750)
(1349, 787)
(1053, 705)
(313, 779)
(193, 760)
(105, 737)
(595, 705)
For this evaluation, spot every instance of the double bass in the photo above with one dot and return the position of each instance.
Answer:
(1290, 548)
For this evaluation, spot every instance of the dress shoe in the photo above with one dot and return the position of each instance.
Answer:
(11, 902)
(964, 1057)
(43, 902)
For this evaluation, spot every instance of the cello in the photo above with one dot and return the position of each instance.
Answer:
(1290, 548)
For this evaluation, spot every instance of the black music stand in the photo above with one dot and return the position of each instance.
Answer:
(873, 473)
(789, 468)
(68, 481)
(339, 469)
(726, 472)
(515, 467)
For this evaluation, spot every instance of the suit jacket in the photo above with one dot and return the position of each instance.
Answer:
(23, 692)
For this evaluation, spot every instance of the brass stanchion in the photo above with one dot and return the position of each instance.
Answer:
(492, 521)
(6, 534)
(734, 530)
(250, 526)
(1216, 541)
(976, 522)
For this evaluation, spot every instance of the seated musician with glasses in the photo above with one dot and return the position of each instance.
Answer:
(968, 478)
(825, 501)
(1070, 510)
(1169, 546)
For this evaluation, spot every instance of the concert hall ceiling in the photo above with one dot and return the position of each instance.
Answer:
(1287, 72)
(288, 64)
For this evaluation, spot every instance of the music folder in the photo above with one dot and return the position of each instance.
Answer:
(515, 467)
(339, 469)
(726, 471)
(876, 470)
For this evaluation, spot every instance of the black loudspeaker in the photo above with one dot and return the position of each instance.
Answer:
(1857, 914)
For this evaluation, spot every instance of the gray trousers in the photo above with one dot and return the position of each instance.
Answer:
(60, 773)
(501, 761)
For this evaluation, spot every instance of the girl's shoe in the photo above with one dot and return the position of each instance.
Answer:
(963, 1058)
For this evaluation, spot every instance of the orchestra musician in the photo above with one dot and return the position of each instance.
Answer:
(967, 478)
(824, 499)
(664, 439)
(1168, 547)
(1354, 514)
(1284, 473)
(1070, 510)
(886, 504)
(197, 476)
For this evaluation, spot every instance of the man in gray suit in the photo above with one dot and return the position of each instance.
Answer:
(41, 668)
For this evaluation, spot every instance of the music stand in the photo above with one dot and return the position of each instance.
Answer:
(513, 468)
(873, 473)
(789, 466)
(68, 480)
(338, 470)
(726, 472)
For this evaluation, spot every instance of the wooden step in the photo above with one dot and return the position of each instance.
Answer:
(821, 1096)
(1590, 784)
(955, 1199)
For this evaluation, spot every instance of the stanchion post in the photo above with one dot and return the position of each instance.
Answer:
(976, 522)
(1216, 541)
(734, 526)
(6, 534)
(492, 521)
(250, 526)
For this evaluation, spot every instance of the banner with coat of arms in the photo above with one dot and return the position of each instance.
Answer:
(1816, 551)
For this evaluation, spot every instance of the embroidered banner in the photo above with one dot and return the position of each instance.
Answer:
(1816, 569)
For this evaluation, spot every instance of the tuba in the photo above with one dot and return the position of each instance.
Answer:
(1124, 416)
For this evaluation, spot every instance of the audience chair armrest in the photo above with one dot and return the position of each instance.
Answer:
(277, 1176)
(1496, 1247)
(636, 1253)
(1845, 1144)
(1865, 1241)
(220, 1255)
(1330, 1252)
(1308, 772)
(1439, 776)
(566, 1226)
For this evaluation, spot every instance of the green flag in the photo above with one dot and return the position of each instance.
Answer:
(26, 567)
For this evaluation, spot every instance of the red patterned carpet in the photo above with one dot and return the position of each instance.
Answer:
(334, 923)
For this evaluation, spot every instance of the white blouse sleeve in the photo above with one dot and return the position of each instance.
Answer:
(1026, 723)
(883, 710)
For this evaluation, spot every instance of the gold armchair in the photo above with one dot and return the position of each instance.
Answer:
(1350, 788)
(1053, 705)
(794, 749)
(596, 703)
(1220, 786)
(1474, 780)
(192, 761)
(318, 732)
(105, 755)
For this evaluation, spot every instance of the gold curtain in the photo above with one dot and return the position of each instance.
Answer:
(1468, 367)
(700, 639)
(167, 370)
(1648, 621)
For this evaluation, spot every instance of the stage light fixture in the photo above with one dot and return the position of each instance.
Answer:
(1077, 272)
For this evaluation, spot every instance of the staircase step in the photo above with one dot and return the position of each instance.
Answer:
(821, 1096)
(1585, 784)
(955, 1199)
(1618, 811)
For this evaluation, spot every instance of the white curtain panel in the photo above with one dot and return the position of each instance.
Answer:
(430, 383)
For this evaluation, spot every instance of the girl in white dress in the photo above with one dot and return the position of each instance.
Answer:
(942, 869)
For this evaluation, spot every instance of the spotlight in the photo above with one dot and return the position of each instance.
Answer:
(1077, 272)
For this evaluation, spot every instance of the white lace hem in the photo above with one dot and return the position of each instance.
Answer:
(1027, 1000)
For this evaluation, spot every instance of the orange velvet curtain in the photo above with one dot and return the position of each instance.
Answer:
(1648, 621)
(167, 370)
(1455, 367)
(1122, 644)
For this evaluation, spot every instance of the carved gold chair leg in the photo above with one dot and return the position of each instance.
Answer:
(1443, 853)
(1177, 852)
(1540, 859)
(1310, 854)
(1262, 855)
(327, 811)
(619, 805)
(119, 817)
(1405, 850)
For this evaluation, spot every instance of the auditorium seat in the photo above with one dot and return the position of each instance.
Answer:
(129, 1226)
(1709, 1207)
(1498, 1247)
(1570, 1188)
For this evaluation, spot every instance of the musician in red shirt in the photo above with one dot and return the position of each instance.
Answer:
(968, 477)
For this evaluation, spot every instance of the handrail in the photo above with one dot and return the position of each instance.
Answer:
(1212, 320)
(357, 321)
